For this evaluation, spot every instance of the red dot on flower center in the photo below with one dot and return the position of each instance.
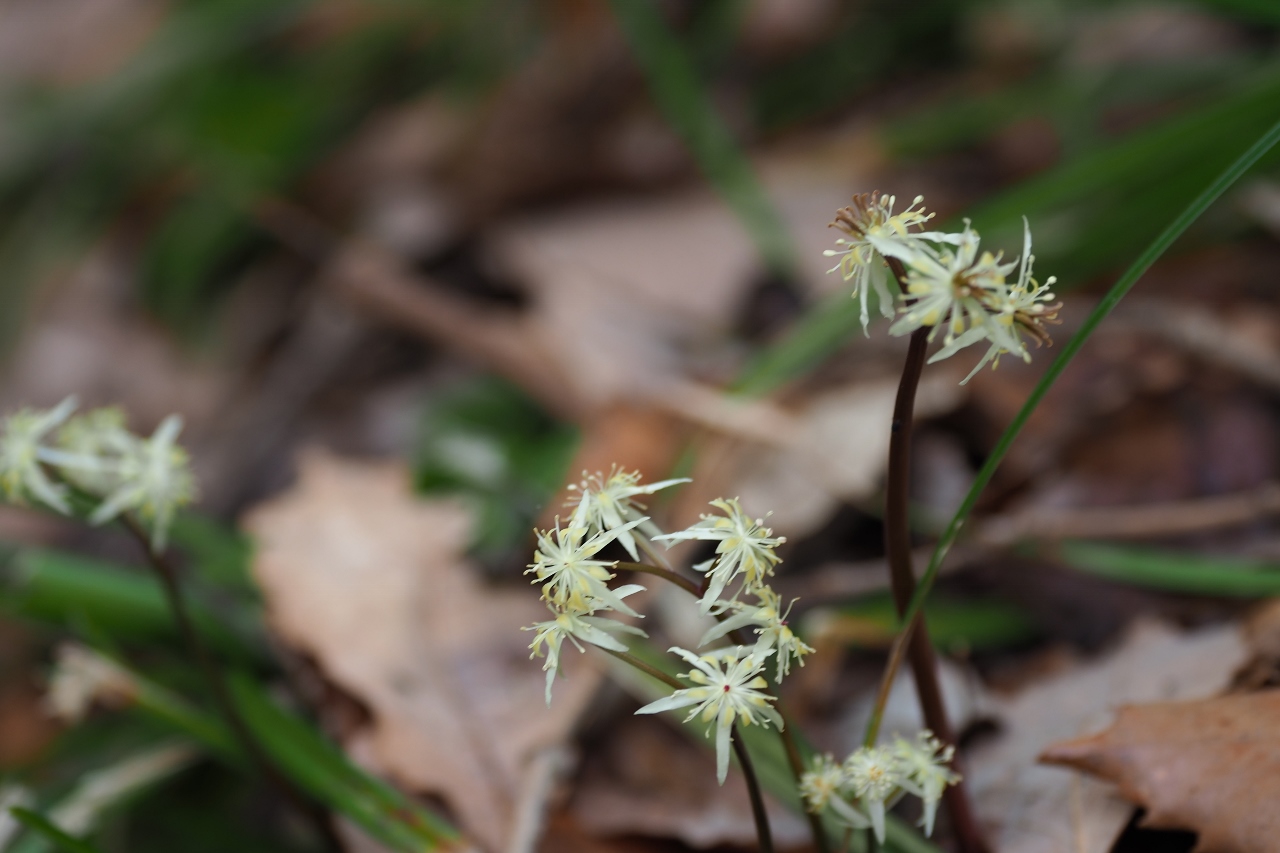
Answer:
(726, 688)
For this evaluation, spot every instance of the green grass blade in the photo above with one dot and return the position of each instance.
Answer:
(322, 770)
(44, 827)
(1117, 292)
(1192, 574)
(681, 96)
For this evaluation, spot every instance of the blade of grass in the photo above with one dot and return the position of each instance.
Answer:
(1195, 574)
(681, 96)
(1117, 292)
(320, 768)
(44, 827)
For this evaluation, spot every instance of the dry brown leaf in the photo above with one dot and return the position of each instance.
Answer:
(1212, 767)
(1031, 808)
(371, 583)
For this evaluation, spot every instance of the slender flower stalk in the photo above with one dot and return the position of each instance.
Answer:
(898, 550)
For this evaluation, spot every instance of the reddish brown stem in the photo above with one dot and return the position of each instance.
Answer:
(897, 540)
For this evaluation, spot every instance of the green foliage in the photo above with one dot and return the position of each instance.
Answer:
(1176, 572)
(956, 626)
(489, 444)
(46, 829)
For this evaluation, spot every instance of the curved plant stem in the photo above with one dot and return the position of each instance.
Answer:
(763, 833)
(217, 686)
(688, 585)
(897, 540)
(214, 681)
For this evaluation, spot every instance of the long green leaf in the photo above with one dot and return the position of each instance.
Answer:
(324, 772)
(46, 828)
(1190, 573)
(1117, 292)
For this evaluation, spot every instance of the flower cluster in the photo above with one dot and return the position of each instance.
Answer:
(860, 789)
(949, 283)
(728, 684)
(97, 455)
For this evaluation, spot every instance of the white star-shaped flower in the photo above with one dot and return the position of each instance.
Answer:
(608, 503)
(23, 455)
(874, 776)
(154, 480)
(769, 619)
(728, 688)
(874, 233)
(578, 628)
(746, 548)
(572, 579)
(924, 768)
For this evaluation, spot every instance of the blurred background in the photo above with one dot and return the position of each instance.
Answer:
(481, 247)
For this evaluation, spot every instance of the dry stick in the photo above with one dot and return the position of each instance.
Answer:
(897, 540)
(790, 747)
(744, 760)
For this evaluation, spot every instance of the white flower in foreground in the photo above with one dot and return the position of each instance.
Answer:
(874, 775)
(924, 766)
(950, 289)
(746, 548)
(771, 625)
(1017, 311)
(607, 503)
(728, 689)
(155, 479)
(874, 232)
(22, 476)
(578, 628)
(80, 677)
(572, 579)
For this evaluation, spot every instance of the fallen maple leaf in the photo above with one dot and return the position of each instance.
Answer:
(1212, 766)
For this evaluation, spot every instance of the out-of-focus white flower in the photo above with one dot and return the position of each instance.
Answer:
(728, 689)
(874, 775)
(154, 480)
(746, 548)
(22, 455)
(874, 233)
(577, 627)
(824, 787)
(925, 773)
(12, 796)
(608, 503)
(572, 579)
(770, 621)
(81, 677)
(819, 785)
(100, 438)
